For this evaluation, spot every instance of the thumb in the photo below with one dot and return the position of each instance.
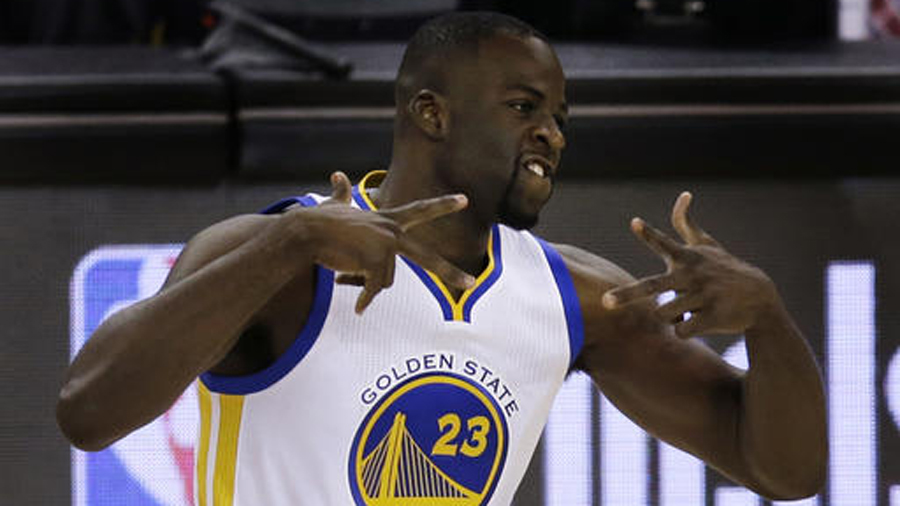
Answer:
(341, 189)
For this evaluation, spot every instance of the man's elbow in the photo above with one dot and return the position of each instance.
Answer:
(804, 481)
(797, 491)
(76, 424)
(813, 485)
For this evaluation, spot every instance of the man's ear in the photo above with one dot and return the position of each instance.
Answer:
(428, 110)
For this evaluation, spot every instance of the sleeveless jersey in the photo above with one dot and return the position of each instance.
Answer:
(421, 400)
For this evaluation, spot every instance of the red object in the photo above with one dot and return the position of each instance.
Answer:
(885, 17)
(184, 459)
(209, 21)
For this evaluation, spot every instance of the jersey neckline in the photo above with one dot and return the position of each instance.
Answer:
(453, 310)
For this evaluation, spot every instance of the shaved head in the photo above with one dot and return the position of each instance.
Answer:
(435, 46)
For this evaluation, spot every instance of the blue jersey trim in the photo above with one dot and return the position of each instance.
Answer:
(281, 205)
(490, 280)
(420, 272)
(444, 299)
(258, 381)
(570, 301)
(360, 201)
(242, 385)
(432, 287)
(453, 310)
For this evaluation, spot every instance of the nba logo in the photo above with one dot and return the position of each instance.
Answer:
(154, 465)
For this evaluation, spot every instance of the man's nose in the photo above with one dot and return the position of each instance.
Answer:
(550, 134)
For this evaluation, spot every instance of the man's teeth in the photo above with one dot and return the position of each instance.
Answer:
(536, 168)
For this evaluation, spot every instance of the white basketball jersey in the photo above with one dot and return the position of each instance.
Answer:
(421, 400)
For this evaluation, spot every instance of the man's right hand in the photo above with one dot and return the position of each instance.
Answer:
(362, 246)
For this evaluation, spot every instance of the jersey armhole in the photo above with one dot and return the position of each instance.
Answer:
(570, 301)
(258, 381)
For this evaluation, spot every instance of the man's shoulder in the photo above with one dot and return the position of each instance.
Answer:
(586, 268)
(226, 233)
(235, 228)
(592, 269)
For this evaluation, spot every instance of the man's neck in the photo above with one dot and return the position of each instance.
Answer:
(460, 237)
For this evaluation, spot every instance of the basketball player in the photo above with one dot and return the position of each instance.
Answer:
(401, 341)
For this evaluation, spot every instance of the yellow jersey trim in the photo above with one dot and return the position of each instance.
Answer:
(458, 310)
(230, 411)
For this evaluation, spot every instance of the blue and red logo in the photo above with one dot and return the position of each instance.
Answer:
(154, 465)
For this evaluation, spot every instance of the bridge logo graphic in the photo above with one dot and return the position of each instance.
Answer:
(436, 439)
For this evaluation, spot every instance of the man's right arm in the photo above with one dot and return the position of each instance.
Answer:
(141, 359)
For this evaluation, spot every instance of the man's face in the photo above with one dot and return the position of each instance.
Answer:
(507, 111)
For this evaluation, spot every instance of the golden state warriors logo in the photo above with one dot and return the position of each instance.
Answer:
(435, 439)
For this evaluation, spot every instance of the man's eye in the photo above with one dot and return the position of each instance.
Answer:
(523, 107)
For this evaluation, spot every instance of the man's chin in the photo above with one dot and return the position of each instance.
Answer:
(520, 208)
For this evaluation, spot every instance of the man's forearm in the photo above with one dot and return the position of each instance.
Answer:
(782, 427)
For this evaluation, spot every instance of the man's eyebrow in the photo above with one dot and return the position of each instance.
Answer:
(527, 88)
(536, 92)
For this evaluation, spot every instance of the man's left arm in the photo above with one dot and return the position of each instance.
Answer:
(766, 427)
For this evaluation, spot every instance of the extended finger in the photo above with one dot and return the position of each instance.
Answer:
(675, 309)
(659, 242)
(435, 263)
(686, 227)
(370, 290)
(420, 211)
(640, 289)
(388, 277)
(341, 189)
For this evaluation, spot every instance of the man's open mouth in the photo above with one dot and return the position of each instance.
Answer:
(538, 167)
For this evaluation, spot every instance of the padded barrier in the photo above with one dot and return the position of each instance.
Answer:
(139, 115)
(822, 110)
(122, 114)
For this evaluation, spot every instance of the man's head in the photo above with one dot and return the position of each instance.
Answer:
(436, 43)
(484, 94)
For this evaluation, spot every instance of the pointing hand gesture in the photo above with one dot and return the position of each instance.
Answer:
(723, 294)
(362, 245)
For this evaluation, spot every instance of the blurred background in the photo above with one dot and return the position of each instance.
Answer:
(126, 126)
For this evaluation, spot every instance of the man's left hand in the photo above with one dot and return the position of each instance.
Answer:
(723, 294)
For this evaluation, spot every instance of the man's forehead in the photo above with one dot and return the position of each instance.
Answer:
(518, 60)
(528, 48)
